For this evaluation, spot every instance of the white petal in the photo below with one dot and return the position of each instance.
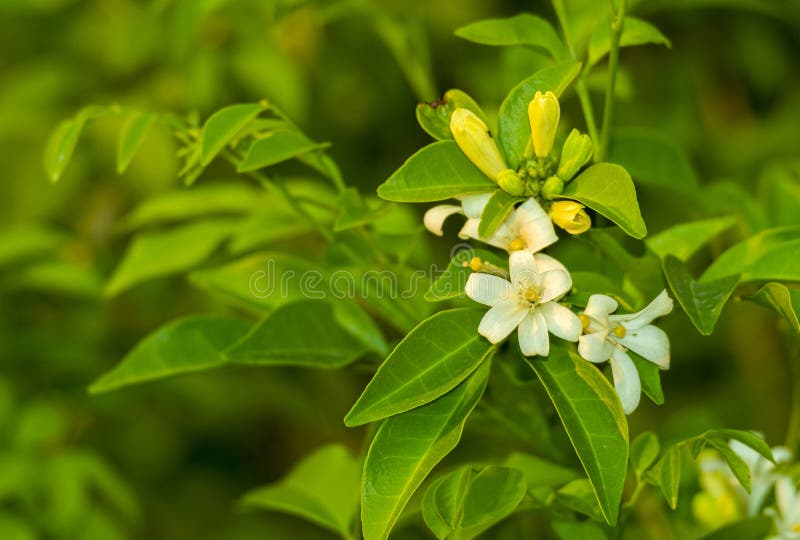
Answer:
(561, 322)
(488, 289)
(649, 342)
(546, 263)
(594, 347)
(501, 320)
(782, 454)
(523, 269)
(554, 284)
(435, 217)
(538, 234)
(660, 306)
(599, 307)
(498, 239)
(626, 380)
(473, 205)
(533, 338)
(784, 495)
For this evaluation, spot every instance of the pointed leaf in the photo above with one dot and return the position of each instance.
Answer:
(667, 473)
(650, 377)
(497, 209)
(522, 29)
(781, 300)
(61, 143)
(754, 441)
(276, 147)
(130, 139)
(685, 239)
(737, 465)
(223, 125)
(434, 117)
(634, 32)
(771, 255)
(644, 452)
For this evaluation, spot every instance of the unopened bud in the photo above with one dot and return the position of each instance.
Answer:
(576, 152)
(552, 187)
(570, 216)
(510, 182)
(474, 139)
(543, 113)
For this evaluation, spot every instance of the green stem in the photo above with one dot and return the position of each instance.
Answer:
(617, 22)
(586, 104)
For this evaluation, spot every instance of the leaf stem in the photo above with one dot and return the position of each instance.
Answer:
(617, 22)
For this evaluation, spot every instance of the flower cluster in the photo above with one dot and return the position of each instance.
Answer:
(527, 298)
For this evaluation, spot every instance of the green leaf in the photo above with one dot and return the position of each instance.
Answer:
(685, 239)
(747, 438)
(579, 496)
(276, 147)
(585, 284)
(650, 377)
(304, 333)
(540, 473)
(466, 502)
(644, 452)
(437, 171)
(522, 29)
(322, 488)
(434, 117)
(357, 211)
(785, 302)
(497, 209)
(407, 447)
(152, 255)
(513, 126)
(701, 300)
(450, 283)
(223, 125)
(593, 418)
(608, 189)
(130, 139)
(61, 143)
(771, 255)
(578, 530)
(182, 346)
(23, 244)
(653, 158)
(737, 465)
(753, 528)
(667, 473)
(431, 360)
(634, 32)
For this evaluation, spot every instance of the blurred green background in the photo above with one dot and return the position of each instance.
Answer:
(169, 460)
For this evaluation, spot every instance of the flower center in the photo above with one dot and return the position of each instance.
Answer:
(531, 294)
(516, 244)
(619, 331)
(475, 264)
(585, 321)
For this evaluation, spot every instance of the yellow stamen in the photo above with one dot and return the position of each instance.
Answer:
(532, 295)
(475, 264)
(584, 320)
(516, 244)
(619, 331)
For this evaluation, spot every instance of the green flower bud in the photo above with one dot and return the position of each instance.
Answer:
(510, 182)
(543, 113)
(552, 187)
(576, 152)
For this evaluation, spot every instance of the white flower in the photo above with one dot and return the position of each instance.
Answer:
(787, 516)
(608, 337)
(762, 472)
(528, 301)
(528, 226)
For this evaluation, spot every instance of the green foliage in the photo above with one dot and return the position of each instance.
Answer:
(523, 29)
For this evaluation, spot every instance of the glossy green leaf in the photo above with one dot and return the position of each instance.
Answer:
(644, 452)
(152, 255)
(276, 147)
(407, 447)
(523, 29)
(451, 282)
(182, 346)
(513, 126)
(61, 143)
(497, 209)
(771, 255)
(667, 474)
(752, 528)
(437, 171)
(130, 138)
(431, 360)
(737, 465)
(608, 189)
(223, 125)
(701, 300)
(578, 530)
(748, 438)
(322, 488)
(650, 378)
(304, 333)
(444, 500)
(593, 418)
(685, 239)
(579, 496)
(783, 301)
(634, 32)
(434, 117)
(653, 158)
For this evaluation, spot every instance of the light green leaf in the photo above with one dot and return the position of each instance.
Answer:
(322, 488)
(355, 210)
(22, 244)
(58, 277)
(579, 496)
(304, 333)
(223, 125)
(513, 126)
(753, 528)
(685, 239)
(771, 255)
(352, 317)
(785, 302)
(130, 139)
(650, 377)
(437, 171)
(654, 159)
(578, 530)
(276, 147)
(444, 500)
(754, 441)
(451, 282)
(634, 32)
(540, 473)
(182, 346)
(497, 209)
(644, 452)
(152, 255)
(434, 117)
(522, 29)
(701, 300)
(608, 189)
(593, 418)
(407, 447)
(61, 143)
(431, 360)
(737, 465)
(667, 474)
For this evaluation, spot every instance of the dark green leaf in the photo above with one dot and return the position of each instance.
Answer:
(130, 139)
(276, 147)
(222, 126)
(522, 29)
(434, 117)
(451, 282)
(497, 209)
(737, 465)
(644, 452)
(650, 377)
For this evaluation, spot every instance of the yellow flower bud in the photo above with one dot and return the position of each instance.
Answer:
(570, 216)
(474, 139)
(543, 113)
(575, 153)
(510, 182)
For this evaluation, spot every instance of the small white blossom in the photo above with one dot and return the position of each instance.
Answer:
(608, 337)
(529, 301)
(762, 472)
(787, 510)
